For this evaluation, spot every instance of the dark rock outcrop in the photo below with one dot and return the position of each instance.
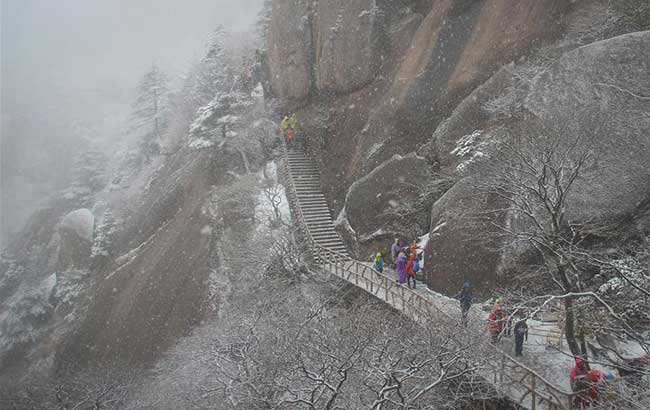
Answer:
(391, 196)
(290, 49)
(76, 239)
(603, 91)
(598, 92)
(348, 43)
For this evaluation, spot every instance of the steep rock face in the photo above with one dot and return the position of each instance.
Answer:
(390, 194)
(289, 50)
(457, 249)
(76, 233)
(425, 67)
(610, 79)
(153, 293)
(457, 46)
(44, 286)
(599, 91)
(348, 42)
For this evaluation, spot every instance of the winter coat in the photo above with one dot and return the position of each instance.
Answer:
(465, 297)
(597, 384)
(416, 265)
(378, 262)
(409, 265)
(578, 376)
(400, 267)
(293, 122)
(284, 124)
(394, 251)
(521, 329)
(495, 321)
(577, 371)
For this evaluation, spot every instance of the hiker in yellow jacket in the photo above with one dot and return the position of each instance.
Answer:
(293, 123)
(284, 124)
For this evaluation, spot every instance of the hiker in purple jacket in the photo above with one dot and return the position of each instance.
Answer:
(400, 267)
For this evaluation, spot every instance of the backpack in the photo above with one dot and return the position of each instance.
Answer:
(416, 265)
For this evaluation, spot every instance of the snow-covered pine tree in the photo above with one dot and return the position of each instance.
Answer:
(151, 111)
(213, 72)
(263, 21)
(104, 235)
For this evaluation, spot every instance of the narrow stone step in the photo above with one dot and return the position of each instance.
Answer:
(314, 219)
(326, 235)
(315, 211)
(326, 238)
(309, 182)
(331, 240)
(304, 171)
(304, 196)
(327, 229)
(334, 245)
(313, 205)
(300, 164)
(319, 223)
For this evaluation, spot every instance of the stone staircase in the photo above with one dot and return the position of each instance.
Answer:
(310, 199)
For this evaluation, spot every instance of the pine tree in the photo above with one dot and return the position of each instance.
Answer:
(263, 21)
(104, 235)
(213, 72)
(151, 111)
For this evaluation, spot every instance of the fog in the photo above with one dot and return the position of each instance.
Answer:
(68, 72)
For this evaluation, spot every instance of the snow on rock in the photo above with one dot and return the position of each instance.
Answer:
(228, 119)
(81, 222)
(200, 143)
(471, 149)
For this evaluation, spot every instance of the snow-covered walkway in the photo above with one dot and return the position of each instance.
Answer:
(537, 381)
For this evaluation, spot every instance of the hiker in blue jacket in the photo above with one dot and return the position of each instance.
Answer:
(465, 298)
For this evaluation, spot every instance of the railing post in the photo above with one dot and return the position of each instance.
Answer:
(533, 393)
(503, 367)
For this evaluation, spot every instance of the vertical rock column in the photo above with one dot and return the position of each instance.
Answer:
(290, 49)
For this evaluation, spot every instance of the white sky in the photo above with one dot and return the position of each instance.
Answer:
(69, 69)
(61, 47)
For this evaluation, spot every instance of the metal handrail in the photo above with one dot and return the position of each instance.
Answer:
(424, 305)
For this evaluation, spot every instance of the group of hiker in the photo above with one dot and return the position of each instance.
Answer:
(407, 261)
(290, 128)
(498, 321)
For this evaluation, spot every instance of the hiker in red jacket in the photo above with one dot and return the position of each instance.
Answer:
(496, 319)
(409, 270)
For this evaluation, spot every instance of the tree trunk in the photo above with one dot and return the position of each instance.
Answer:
(245, 160)
(569, 327)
